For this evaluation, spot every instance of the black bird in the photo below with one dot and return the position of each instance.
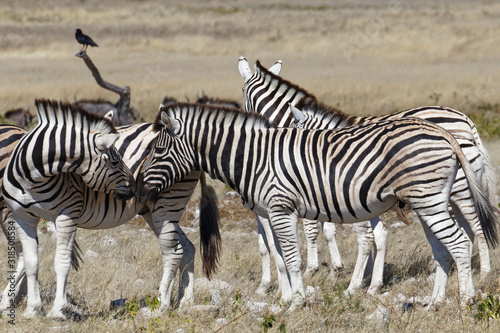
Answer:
(84, 40)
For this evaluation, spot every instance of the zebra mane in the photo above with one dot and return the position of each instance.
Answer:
(265, 72)
(324, 111)
(50, 111)
(250, 118)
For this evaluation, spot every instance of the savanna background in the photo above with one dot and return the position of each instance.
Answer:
(364, 57)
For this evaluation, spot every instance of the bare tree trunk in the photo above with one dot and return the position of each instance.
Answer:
(123, 104)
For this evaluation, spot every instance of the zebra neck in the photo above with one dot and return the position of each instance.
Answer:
(51, 153)
(323, 116)
(232, 158)
(272, 100)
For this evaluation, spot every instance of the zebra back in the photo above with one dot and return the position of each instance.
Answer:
(68, 140)
(317, 115)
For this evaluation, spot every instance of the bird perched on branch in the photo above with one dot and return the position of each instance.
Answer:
(84, 40)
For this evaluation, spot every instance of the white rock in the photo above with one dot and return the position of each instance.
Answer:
(108, 241)
(91, 254)
(398, 224)
(139, 283)
(232, 194)
(311, 291)
(220, 321)
(213, 284)
(381, 313)
(399, 299)
(216, 297)
(146, 313)
(257, 306)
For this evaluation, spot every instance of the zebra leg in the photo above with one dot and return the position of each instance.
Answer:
(16, 286)
(65, 236)
(380, 235)
(365, 238)
(329, 233)
(443, 260)
(172, 253)
(285, 227)
(311, 234)
(186, 271)
(275, 249)
(26, 231)
(452, 242)
(467, 213)
(265, 281)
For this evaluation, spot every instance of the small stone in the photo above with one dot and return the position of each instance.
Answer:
(108, 241)
(91, 254)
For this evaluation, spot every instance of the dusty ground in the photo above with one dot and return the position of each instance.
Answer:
(366, 57)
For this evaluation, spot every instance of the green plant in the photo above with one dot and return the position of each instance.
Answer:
(131, 307)
(153, 302)
(268, 321)
(237, 300)
(487, 309)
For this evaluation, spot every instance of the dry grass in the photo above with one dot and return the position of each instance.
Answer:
(366, 57)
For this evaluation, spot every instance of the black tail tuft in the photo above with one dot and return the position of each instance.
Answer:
(209, 228)
(489, 222)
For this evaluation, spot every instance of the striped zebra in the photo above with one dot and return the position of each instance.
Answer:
(9, 137)
(343, 176)
(267, 93)
(97, 210)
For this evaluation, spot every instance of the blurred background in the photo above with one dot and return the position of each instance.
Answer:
(365, 57)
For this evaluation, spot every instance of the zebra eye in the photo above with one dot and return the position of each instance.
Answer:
(160, 150)
(114, 163)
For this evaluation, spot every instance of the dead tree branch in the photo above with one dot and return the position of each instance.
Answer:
(123, 105)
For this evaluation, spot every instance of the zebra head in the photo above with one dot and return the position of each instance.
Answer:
(168, 160)
(105, 170)
(246, 73)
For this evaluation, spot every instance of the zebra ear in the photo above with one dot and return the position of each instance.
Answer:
(276, 68)
(170, 123)
(298, 114)
(109, 115)
(244, 68)
(104, 141)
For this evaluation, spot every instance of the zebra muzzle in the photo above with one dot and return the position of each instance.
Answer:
(145, 192)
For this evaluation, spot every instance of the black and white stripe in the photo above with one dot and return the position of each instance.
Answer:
(341, 176)
(91, 209)
(315, 115)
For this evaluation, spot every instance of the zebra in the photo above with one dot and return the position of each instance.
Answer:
(98, 210)
(268, 102)
(344, 176)
(267, 93)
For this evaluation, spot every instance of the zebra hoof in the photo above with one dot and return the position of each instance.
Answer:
(56, 313)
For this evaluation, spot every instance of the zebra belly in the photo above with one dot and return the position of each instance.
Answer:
(343, 214)
(103, 212)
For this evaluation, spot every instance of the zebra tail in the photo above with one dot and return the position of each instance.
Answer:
(76, 256)
(488, 178)
(485, 209)
(209, 228)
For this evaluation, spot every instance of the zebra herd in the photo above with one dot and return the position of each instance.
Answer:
(288, 156)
